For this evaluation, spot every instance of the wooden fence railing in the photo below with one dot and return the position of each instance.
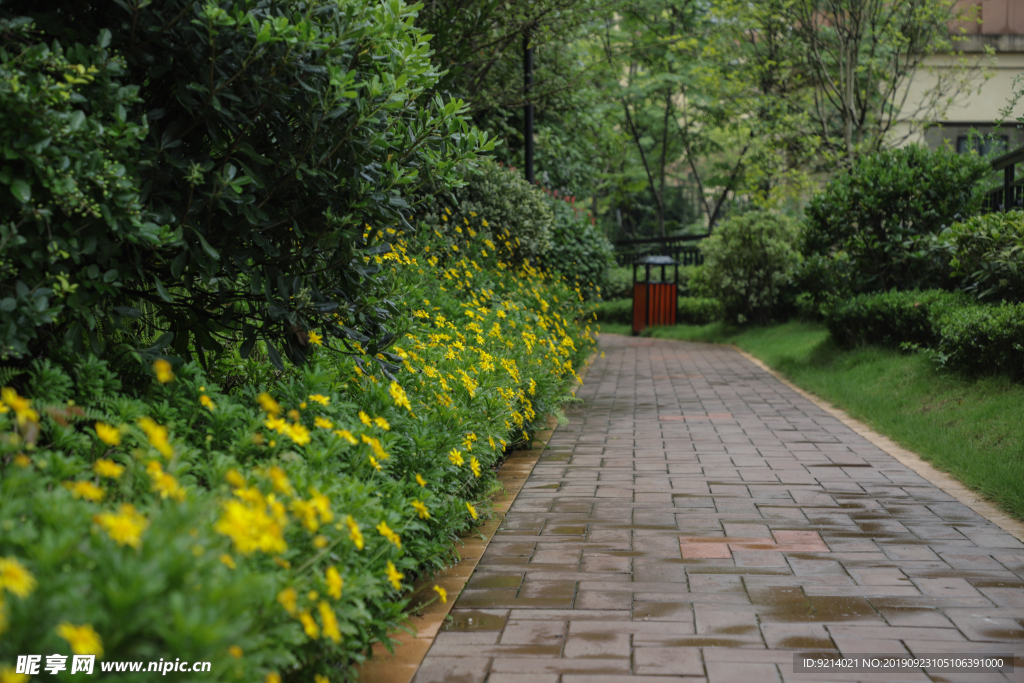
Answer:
(1009, 195)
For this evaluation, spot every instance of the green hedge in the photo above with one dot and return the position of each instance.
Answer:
(580, 251)
(890, 318)
(214, 166)
(692, 311)
(266, 530)
(959, 332)
(982, 339)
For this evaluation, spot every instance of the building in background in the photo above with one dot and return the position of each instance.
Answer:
(999, 25)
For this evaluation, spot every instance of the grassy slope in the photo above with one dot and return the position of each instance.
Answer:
(971, 428)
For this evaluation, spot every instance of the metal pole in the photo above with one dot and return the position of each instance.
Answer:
(528, 123)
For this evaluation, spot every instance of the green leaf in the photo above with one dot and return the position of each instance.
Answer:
(210, 251)
(21, 190)
(160, 290)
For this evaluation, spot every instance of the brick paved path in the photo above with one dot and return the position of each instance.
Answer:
(699, 520)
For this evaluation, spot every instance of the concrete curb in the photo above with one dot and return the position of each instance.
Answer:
(401, 665)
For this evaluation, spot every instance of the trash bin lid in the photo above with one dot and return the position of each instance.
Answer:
(656, 261)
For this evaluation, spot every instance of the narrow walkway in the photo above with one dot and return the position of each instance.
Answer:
(697, 520)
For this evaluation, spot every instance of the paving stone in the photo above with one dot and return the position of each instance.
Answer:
(697, 520)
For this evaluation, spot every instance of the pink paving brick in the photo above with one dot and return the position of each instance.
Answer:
(704, 551)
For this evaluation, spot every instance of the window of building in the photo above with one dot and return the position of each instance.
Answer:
(982, 145)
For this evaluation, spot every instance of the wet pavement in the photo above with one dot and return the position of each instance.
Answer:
(698, 520)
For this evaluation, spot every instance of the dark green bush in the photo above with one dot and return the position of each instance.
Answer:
(891, 318)
(580, 251)
(505, 201)
(619, 311)
(73, 225)
(987, 255)
(982, 339)
(282, 137)
(695, 310)
(880, 215)
(748, 260)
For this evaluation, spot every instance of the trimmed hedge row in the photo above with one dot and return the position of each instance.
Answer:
(693, 310)
(961, 333)
(890, 318)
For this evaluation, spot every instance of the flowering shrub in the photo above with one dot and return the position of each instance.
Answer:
(272, 530)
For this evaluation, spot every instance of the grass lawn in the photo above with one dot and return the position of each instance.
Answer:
(971, 428)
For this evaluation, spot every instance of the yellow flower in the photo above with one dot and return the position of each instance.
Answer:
(163, 371)
(382, 423)
(22, 460)
(474, 465)
(315, 338)
(125, 527)
(318, 678)
(376, 465)
(280, 482)
(442, 592)
(289, 600)
(234, 478)
(472, 510)
(235, 651)
(353, 532)
(347, 435)
(207, 402)
(323, 422)
(107, 468)
(364, 418)
(9, 675)
(268, 404)
(320, 398)
(334, 583)
(421, 509)
(394, 576)
(272, 677)
(254, 522)
(163, 483)
(455, 457)
(22, 407)
(375, 446)
(308, 625)
(330, 622)
(306, 514)
(320, 542)
(322, 504)
(228, 561)
(108, 435)
(420, 480)
(297, 433)
(85, 489)
(387, 533)
(83, 639)
(157, 436)
(399, 397)
(15, 578)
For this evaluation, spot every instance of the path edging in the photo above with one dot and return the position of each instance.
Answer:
(941, 480)
(400, 666)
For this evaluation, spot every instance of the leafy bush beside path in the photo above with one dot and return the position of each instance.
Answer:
(272, 530)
